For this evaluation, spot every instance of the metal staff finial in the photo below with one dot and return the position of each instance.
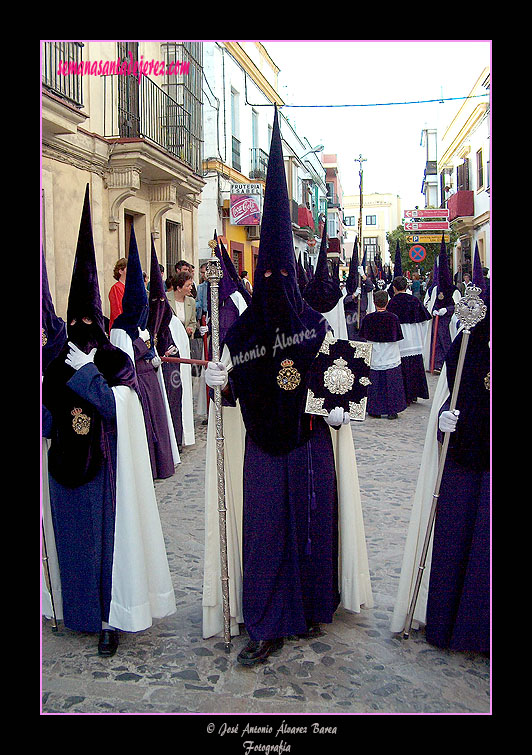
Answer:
(470, 310)
(214, 274)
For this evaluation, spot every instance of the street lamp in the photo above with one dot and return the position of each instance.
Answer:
(319, 148)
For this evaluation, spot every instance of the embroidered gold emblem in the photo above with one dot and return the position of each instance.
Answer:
(81, 423)
(338, 378)
(440, 296)
(44, 337)
(487, 382)
(288, 378)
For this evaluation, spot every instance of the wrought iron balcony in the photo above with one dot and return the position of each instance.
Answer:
(141, 109)
(259, 164)
(67, 85)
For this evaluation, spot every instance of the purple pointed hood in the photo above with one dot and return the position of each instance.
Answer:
(53, 327)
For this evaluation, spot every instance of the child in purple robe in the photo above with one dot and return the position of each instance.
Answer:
(386, 394)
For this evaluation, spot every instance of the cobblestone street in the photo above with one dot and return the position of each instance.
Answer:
(356, 667)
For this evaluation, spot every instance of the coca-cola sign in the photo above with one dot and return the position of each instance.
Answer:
(245, 204)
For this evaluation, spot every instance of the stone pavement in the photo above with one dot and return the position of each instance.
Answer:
(356, 667)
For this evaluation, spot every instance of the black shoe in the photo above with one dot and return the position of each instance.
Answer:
(108, 642)
(392, 416)
(257, 651)
(313, 630)
(375, 416)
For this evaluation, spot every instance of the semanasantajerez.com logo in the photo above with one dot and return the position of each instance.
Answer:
(123, 67)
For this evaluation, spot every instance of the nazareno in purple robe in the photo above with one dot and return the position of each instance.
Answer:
(134, 316)
(410, 311)
(290, 532)
(458, 605)
(155, 418)
(79, 416)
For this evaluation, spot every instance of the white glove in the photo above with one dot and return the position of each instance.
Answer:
(77, 358)
(442, 312)
(156, 361)
(337, 417)
(171, 351)
(216, 374)
(357, 292)
(360, 270)
(203, 329)
(447, 421)
(144, 334)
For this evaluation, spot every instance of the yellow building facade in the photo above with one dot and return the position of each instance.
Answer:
(381, 213)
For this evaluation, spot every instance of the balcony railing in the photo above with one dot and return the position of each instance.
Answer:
(66, 85)
(143, 110)
(259, 164)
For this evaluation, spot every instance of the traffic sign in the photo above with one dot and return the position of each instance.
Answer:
(441, 213)
(417, 253)
(422, 238)
(444, 226)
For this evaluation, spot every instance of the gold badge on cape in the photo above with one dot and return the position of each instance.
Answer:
(81, 423)
(288, 378)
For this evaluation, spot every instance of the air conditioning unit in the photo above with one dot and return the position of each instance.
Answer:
(253, 232)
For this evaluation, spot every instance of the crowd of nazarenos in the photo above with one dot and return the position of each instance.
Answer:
(119, 382)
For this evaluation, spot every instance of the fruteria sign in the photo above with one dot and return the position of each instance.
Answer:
(245, 204)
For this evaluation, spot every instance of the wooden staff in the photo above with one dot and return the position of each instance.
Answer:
(214, 274)
(434, 335)
(183, 360)
(470, 310)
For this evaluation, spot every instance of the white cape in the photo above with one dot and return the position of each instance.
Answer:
(355, 585)
(336, 319)
(123, 341)
(182, 341)
(141, 583)
(419, 515)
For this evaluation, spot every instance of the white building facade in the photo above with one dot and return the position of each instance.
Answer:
(240, 87)
(464, 170)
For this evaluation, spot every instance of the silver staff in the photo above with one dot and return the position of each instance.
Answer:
(48, 578)
(470, 310)
(214, 274)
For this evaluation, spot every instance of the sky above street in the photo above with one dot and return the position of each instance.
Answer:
(371, 74)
